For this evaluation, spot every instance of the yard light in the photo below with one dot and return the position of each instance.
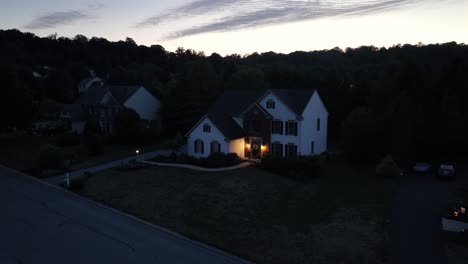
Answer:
(137, 152)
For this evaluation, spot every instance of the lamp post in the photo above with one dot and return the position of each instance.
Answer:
(137, 152)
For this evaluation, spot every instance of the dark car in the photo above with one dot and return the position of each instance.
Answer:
(422, 167)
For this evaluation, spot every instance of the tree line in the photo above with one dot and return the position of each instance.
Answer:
(405, 100)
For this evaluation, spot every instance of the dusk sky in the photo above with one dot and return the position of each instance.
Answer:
(245, 26)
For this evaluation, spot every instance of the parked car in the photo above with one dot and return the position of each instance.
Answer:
(422, 167)
(446, 171)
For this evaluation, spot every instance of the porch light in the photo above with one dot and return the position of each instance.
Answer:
(247, 146)
(263, 147)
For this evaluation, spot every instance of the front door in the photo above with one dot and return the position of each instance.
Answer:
(256, 146)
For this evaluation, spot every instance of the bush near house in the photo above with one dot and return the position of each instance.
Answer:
(301, 168)
(69, 140)
(214, 160)
(388, 168)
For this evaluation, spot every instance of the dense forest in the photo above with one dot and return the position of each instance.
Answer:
(406, 100)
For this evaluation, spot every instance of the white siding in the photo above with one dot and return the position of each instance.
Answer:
(207, 138)
(144, 103)
(314, 109)
(283, 113)
(237, 146)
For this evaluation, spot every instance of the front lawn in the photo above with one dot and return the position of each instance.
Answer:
(22, 152)
(341, 217)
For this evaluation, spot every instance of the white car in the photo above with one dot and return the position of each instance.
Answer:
(446, 171)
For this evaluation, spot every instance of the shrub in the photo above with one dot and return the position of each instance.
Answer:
(232, 158)
(388, 168)
(69, 140)
(77, 182)
(300, 168)
(214, 160)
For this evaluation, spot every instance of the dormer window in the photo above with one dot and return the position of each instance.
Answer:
(206, 128)
(270, 104)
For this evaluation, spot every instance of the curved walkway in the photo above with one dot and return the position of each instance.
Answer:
(193, 167)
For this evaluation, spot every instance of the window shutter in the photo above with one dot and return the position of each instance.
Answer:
(318, 124)
(195, 145)
(219, 147)
(286, 132)
(282, 127)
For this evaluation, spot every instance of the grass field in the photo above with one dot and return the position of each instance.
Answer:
(341, 217)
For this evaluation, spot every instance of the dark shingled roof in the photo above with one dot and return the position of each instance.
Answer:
(93, 96)
(234, 102)
(295, 99)
(122, 93)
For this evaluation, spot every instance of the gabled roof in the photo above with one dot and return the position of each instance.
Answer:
(296, 100)
(93, 96)
(234, 103)
(122, 93)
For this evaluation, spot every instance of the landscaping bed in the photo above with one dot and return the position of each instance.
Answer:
(214, 160)
(340, 217)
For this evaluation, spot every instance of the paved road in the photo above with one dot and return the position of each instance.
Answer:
(43, 224)
(57, 180)
(416, 218)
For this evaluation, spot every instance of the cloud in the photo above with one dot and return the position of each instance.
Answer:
(61, 18)
(56, 19)
(241, 14)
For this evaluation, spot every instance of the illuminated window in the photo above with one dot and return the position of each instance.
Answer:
(277, 127)
(215, 147)
(291, 128)
(270, 104)
(206, 128)
(291, 150)
(199, 146)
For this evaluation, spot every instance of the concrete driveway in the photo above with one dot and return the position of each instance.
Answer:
(416, 218)
(44, 224)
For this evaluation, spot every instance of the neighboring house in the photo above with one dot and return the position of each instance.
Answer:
(76, 116)
(84, 85)
(284, 123)
(102, 103)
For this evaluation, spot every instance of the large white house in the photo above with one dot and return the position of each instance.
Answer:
(284, 123)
